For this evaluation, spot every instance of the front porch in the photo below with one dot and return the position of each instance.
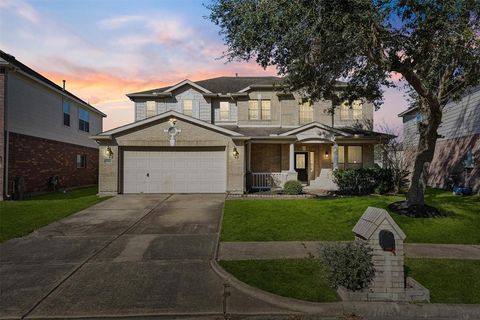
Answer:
(270, 165)
(309, 154)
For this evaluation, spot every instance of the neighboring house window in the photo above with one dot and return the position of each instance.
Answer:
(266, 110)
(357, 110)
(224, 111)
(188, 107)
(66, 113)
(354, 154)
(341, 154)
(305, 113)
(83, 120)
(81, 161)
(344, 111)
(253, 113)
(151, 109)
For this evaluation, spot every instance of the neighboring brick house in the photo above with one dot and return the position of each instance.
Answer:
(232, 134)
(44, 132)
(459, 139)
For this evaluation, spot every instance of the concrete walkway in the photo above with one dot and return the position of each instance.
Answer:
(312, 249)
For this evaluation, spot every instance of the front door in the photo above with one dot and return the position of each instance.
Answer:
(301, 161)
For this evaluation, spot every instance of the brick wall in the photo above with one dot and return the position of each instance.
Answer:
(266, 157)
(448, 160)
(38, 159)
(2, 129)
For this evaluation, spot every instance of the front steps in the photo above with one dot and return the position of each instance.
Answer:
(323, 182)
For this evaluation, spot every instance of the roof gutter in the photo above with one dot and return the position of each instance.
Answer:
(132, 96)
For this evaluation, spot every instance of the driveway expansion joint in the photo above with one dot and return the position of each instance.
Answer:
(93, 255)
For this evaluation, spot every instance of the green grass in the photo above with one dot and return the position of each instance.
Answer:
(333, 219)
(449, 281)
(18, 218)
(296, 278)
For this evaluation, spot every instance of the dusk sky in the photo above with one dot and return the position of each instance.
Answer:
(106, 49)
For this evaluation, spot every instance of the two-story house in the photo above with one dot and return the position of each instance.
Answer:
(232, 134)
(44, 132)
(457, 152)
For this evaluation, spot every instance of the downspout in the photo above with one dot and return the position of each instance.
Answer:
(7, 134)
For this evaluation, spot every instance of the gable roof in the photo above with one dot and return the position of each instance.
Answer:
(222, 85)
(11, 61)
(371, 220)
(315, 125)
(108, 134)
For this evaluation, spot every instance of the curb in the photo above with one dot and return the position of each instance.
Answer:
(379, 310)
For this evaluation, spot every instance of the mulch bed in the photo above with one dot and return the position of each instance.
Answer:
(415, 211)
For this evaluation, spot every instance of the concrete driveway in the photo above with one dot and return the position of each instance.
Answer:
(130, 255)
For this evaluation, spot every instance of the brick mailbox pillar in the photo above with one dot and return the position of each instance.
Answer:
(377, 229)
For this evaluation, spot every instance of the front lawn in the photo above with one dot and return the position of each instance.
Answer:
(303, 279)
(333, 219)
(18, 218)
(449, 281)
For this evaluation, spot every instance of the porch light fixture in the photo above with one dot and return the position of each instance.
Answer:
(326, 154)
(109, 153)
(235, 153)
(172, 121)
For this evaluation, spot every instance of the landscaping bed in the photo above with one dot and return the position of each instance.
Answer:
(449, 281)
(331, 219)
(18, 218)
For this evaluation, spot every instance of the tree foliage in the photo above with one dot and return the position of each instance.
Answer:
(433, 45)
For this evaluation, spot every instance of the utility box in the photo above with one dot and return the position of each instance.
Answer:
(377, 229)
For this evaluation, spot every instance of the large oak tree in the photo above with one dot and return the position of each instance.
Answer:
(433, 44)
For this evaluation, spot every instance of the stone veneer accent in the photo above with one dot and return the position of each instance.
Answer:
(38, 159)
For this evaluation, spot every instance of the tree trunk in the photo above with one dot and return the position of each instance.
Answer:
(431, 119)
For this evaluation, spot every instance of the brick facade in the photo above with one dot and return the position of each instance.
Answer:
(38, 159)
(2, 130)
(448, 161)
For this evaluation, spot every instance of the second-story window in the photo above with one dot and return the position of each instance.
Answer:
(151, 109)
(83, 120)
(66, 113)
(224, 111)
(357, 110)
(305, 113)
(188, 107)
(253, 113)
(344, 111)
(259, 110)
(266, 110)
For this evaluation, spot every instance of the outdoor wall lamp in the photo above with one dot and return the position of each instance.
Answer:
(326, 154)
(109, 152)
(235, 153)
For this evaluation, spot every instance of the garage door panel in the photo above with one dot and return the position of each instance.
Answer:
(174, 172)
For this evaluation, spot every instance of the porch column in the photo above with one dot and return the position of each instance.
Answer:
(335, 156)
(291, 157)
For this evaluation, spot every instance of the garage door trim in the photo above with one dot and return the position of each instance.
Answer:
(122, 150)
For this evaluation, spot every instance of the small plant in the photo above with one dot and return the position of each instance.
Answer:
(350, 265)
(292, 187)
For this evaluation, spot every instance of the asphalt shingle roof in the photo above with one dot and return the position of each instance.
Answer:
(225, 84)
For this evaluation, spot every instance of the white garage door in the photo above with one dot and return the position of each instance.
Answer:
(174, 172)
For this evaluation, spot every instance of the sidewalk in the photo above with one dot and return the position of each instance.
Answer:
(312, 249)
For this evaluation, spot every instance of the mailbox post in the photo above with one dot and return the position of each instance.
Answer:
(377, 229)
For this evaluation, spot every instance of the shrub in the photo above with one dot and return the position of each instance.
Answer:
(363, 180)
(292, 187)
(350, 265)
